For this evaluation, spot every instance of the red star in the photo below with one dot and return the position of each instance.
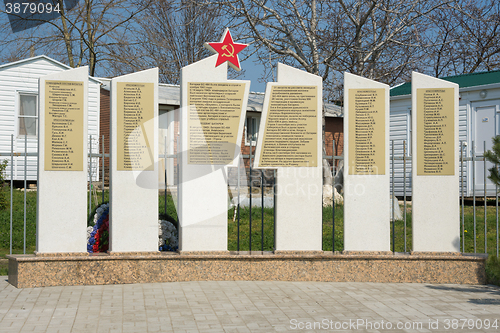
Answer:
(227, 50)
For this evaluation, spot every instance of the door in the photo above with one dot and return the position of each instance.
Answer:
(485, 128)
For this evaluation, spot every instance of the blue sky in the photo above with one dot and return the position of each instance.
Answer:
(253, 73)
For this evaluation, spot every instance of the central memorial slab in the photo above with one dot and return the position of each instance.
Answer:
(214, 119)
(290, 135)
(211, 129)
(291, 142)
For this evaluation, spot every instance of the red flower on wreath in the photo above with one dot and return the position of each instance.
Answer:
(97, 241)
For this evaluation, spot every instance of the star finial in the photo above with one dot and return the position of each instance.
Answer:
(227, 50)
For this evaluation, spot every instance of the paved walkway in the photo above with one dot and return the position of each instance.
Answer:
(251, 307)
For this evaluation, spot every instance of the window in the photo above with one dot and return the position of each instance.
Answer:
(163, 112)
(252, 128)
(28, 114)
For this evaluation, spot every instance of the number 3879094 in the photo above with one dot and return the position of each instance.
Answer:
(31, 8)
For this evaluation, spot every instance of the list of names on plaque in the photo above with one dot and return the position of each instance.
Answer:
(135, 113)
(213, 121)
(435, 132)
(64, 141)
(367, 131)
(291, 136)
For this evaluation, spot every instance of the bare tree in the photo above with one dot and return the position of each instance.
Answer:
(376, 39)
(78, 37)
(466, 38)
(170, 35)
(286, 31)
(371, 38)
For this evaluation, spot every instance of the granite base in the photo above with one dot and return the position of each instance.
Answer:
(28, 271)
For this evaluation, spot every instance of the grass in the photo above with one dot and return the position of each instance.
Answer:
(493, 264)
(491, 228)
(244, 232)
(18, 222)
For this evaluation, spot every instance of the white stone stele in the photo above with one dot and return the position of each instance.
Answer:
(435, 199)
(367, 206)
(62, 195)
(299, 189)
(203, 193)
(133, 204)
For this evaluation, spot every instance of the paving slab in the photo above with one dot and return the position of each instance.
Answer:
(251, 306)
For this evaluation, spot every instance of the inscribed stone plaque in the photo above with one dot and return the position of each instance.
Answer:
(291, 137)
(135, 107)
(213, 121)
(367, 131)
(435, 132)
(64, 141)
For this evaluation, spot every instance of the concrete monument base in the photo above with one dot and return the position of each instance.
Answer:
(28, 271)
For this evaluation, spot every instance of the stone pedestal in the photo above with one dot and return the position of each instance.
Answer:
(29, 271)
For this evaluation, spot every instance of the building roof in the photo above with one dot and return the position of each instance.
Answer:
(41, 57)
(169, 94)
(33, 59)
(464, 81)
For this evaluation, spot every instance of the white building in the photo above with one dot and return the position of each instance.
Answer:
(19, 112)
(479, 122)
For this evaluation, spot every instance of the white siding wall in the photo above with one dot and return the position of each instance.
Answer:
(463, 131)
(467, 98)
(23, 78)
(400, 132)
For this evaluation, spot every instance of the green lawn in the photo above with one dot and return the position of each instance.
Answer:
(244, 229)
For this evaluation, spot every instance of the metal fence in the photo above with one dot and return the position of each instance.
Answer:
(465, 202)
(486, 226)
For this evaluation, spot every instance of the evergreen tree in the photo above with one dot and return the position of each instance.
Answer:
(494, 157)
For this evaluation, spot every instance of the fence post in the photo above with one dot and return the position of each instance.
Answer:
(392, 202)
(238, 207)
(25, 165)
(485, 202)
(404, 187)
(496, 209)
(250, 198)
(333, 193)
(274, 208)
(11, 184)
(474, 191)
(165, 171)
(102, 171)
(262, 209)
(463, 197)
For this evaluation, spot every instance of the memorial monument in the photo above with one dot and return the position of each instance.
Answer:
(134, 163)
(291, 142)
(62, 162)
(211, 129)
(435, 182)
(366, 165)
